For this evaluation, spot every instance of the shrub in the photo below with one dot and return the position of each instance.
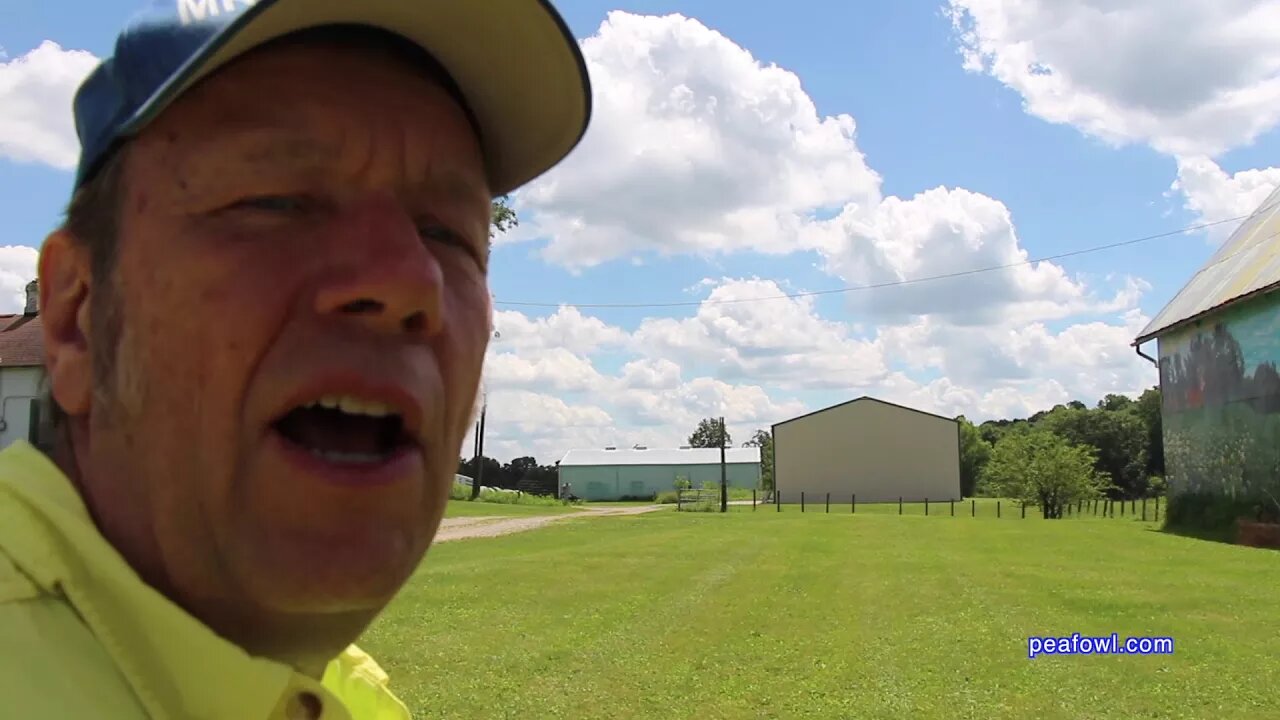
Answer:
(510, 498)
(489, 495)
(668, 497)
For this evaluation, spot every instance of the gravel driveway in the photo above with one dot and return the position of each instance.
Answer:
(477, 527)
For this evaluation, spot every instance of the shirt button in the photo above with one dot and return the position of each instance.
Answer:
(304, 706)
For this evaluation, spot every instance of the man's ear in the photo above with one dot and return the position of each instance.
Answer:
(65, 281)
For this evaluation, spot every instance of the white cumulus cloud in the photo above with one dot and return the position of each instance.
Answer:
(695, 146)
(1192, 77)
(17, 268)
(778, 341)
(36, 91)
(943, 232)
(1213, 195)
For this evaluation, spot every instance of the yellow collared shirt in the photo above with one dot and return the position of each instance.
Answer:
(82, 636)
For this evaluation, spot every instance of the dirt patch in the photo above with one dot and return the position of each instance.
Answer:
(462, 522)
(478, 527)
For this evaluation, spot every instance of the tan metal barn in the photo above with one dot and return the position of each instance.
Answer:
(876, 449)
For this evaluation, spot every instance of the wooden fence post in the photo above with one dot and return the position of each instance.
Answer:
(753, 499)
(1024, 511)
(899, 504)
(853, 504)
(926, 507)
(1157, 508)
(973, 508)
(801, 501)
(953, 507)
(828, 503)
(997, 509)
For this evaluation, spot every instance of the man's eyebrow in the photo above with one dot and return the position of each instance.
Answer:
(453, 185)
(263, 147)
(276, 148)
(272, 147)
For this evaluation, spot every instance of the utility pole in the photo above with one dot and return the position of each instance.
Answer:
(724, 473)
(477, 481)
(484, 400)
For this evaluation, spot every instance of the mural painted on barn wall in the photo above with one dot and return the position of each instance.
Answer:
(1221, 394)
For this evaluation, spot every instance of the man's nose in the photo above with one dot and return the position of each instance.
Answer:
(384, 276)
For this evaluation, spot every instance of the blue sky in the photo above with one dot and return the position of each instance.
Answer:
(1010, 158)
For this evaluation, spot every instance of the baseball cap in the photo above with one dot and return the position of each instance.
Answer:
(514, 62)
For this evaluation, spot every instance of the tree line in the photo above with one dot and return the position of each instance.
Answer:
(1114, 450)
(522, 473)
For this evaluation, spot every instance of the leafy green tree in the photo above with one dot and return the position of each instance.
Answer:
(1119, 440)
(542, 480)
(1115, 403)
(763, 439)
(504, 218)
(993, 430)
(974, 454)
(709, 434)
(1147, 408)
(492, 470)
(514, 471)
(1041, 468)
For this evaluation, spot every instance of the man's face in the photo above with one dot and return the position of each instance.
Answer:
(307, 229)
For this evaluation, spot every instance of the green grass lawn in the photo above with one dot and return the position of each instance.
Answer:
(466, 508)
(789, 615)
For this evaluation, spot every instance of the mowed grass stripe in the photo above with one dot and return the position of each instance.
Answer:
(775, 615)
(465, 508)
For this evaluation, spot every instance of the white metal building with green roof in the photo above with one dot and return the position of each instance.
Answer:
(614, 474)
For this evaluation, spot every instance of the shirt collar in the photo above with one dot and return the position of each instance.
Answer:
(176, 665)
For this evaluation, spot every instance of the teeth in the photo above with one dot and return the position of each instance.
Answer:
(355, 406)
(349, 458)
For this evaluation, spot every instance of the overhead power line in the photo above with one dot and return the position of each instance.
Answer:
(892, 283)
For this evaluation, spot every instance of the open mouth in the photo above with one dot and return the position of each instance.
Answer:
(346, 430)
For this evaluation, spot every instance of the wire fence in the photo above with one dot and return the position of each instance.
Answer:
(701, 499)
(1144, 509)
